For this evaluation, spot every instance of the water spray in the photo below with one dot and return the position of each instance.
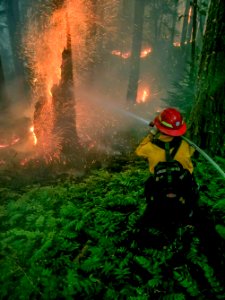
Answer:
(203, 153)
(151, 124)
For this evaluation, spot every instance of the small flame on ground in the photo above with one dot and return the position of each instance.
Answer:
(145, 52)
(176, 44)
(125, 55)
(14, 141)
(143, 95)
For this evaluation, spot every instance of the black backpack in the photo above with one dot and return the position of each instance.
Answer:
(171, 180)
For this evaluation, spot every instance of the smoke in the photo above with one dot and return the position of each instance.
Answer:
(105, 122)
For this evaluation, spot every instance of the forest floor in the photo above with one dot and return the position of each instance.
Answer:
(66, 236)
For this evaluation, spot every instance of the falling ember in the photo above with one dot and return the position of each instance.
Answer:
(33, 134)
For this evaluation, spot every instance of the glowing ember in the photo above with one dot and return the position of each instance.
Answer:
(34, 135)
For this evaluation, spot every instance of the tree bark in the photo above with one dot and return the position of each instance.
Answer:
(207, 125)
(193, 40)
(64, 107)
(13, 16)
(174, 22)
(1, 83)
(185, 24)
(136, 49)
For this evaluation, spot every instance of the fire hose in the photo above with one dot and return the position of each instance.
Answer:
(205, 155)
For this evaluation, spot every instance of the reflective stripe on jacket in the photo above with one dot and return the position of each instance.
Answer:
(155, 154)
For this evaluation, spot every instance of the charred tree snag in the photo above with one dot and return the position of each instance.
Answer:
(207, 125)
(136, 49)
(64, 107)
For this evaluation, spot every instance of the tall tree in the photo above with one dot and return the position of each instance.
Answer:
(136, 49)
(207, 125)
(194, 30)
(185, 23)
(174, 21)
(13, 16)
(1, 83)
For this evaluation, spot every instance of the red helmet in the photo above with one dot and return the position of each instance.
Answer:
(170, 122)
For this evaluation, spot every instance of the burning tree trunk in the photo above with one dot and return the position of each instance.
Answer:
(208, 114)
(136, 49)
(63, 105)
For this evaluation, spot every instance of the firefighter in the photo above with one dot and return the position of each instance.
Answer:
(169, 124)
(168, 127)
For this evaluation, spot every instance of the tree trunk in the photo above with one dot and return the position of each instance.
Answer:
(64, 108)
(174, 22)
(207, 125)
(1, 84)
(125, 22)
(190, 24)
(185, 24)
(136, 49)
(13, 16)
(193, 40)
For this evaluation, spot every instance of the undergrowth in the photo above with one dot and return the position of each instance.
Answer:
(74, 240)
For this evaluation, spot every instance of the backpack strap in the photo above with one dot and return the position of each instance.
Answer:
(175, 144)
(176, 147)
(168, 155)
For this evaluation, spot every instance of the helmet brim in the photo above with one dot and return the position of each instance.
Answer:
(170, 131)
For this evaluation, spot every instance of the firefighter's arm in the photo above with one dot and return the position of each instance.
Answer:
(143, 148)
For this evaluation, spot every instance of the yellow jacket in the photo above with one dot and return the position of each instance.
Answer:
(155, 154)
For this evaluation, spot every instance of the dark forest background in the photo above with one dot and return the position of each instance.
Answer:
(79, 82)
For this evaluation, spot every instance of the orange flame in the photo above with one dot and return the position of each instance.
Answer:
(145, 52)
(189, 15)
(14, 141)
(143, 95)
(33, 134)
(125, 55)
(176, 44)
